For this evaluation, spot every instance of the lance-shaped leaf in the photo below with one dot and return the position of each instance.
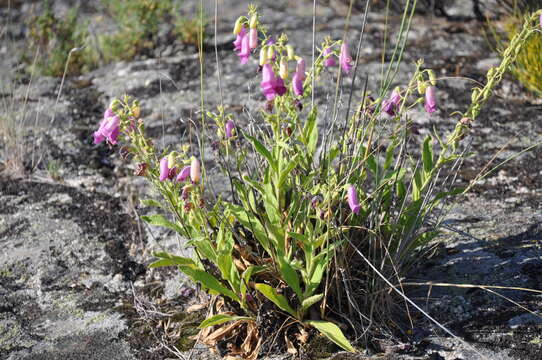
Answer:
(276, 298)
(333, 333)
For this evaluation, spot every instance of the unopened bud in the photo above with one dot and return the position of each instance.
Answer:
(283, 68)
(290, 52)
(171, 159)
(421, 87)
(270, 52)
(263, 56)
(195, 170)
(253, 22)
(432, 77)
(137, 111)
(238, 26)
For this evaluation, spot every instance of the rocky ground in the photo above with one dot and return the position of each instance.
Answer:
(74, 281)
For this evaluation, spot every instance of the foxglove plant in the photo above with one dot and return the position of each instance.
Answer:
(297, 216)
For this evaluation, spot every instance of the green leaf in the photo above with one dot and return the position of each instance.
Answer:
(310, 132)
(151, 202)
(289, 275)
(209, 281)
(171, 260)
(276, 298)
(160, 220)
(310, 301)
(258, 146)
(220, 319)
(333, 333)
(427, 154)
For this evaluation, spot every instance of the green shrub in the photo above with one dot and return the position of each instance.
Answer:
(53, 38)
(138, 22)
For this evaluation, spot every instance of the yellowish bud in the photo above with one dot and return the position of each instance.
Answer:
(171, 158)
(270, 52)
(238, 26)
(263, 56)
(136, 111)
(283, 68)
(422, 85)
(290, 51)
(253, 22)
(432, 77)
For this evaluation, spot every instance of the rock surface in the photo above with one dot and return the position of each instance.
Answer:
(74, 281)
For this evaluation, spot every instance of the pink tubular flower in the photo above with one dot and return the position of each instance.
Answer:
(297, 84)
(299, 77)
(300, 68)
(392, 104)
(271, 85)
(109, 128)
(242, 46)
(430, 99)
(353, 200)
(345, 59)
(229, 126)
(329, 59)
(164, 169)
(195, 170)
(184, 174)
(253, 38)
(239, 39)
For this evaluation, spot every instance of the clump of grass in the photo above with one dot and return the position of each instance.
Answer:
(138, 24)
(53, 37)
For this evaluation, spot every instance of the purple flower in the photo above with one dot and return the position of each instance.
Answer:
(164, 169)
(229, 126)
(109, 128)
(297, 84)
(300, 68)
(239, 39)
(392, 104)
(329, 59)
(271, 85)
(430, 99)
(184, 174)
(345, 59)
(253, 38)
(353, 200)
(540, 20)
(299, 77)
(242, 46)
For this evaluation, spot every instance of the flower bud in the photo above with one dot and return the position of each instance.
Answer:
(263, 56)
(430, 99)
(136, 111)
(421, 87)
(171, 159)
(353, 200)
(229, 127)
(290, 52)
(238, 26)
(270, 52)
(432, 77)
(283, 68)
(253, 22)
(195, 170)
